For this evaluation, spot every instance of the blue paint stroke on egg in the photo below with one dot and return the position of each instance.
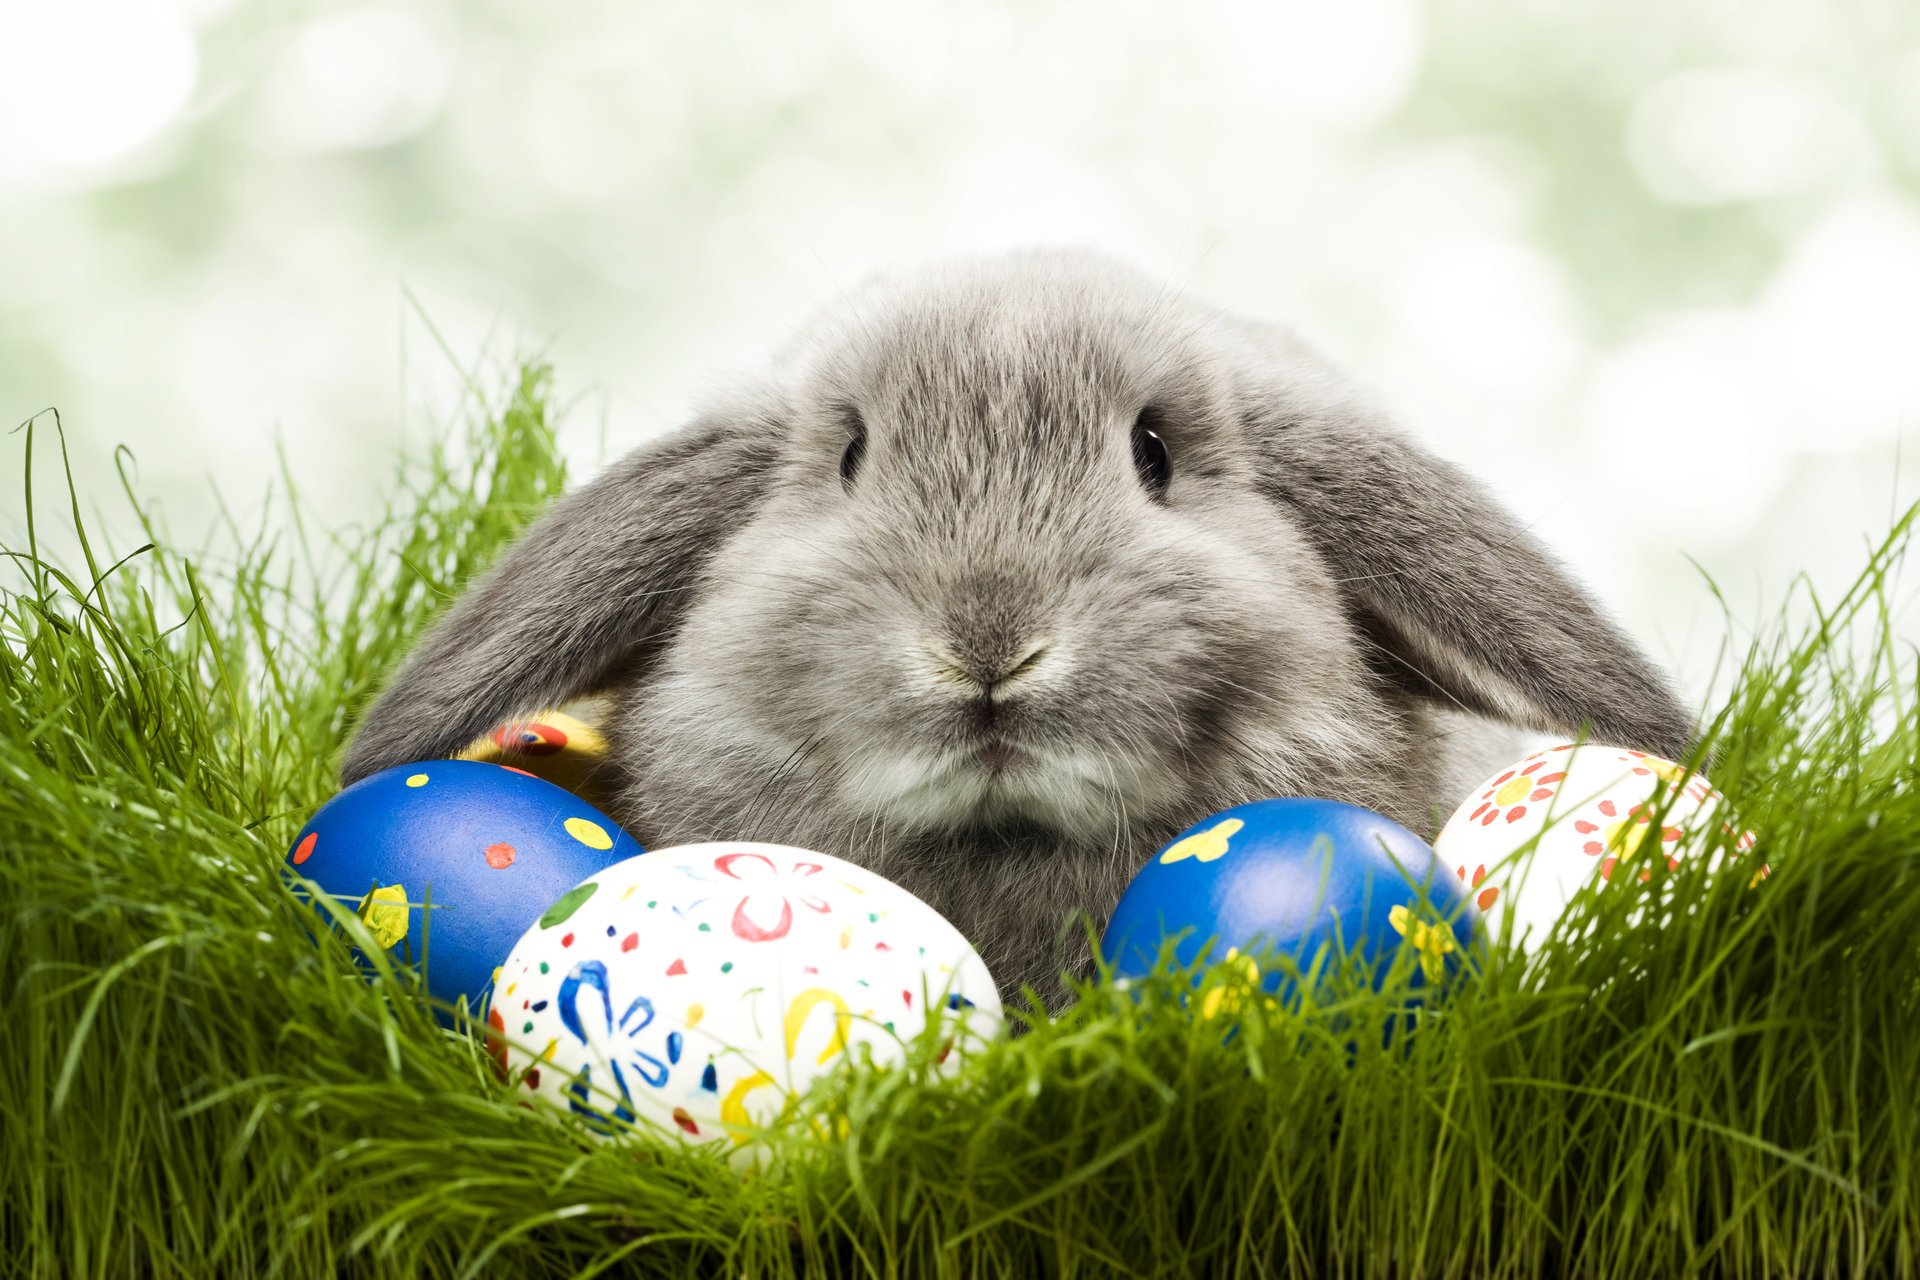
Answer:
(588, 973)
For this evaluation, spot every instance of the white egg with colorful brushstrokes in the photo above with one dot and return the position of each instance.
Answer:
(697, 990)
(1569, 817)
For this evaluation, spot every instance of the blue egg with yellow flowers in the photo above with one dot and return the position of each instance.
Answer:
(448, 862)
(1296, 876)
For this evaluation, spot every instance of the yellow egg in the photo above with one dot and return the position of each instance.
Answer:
(553, 745)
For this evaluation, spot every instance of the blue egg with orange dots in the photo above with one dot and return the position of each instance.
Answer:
(447, 862)
(1293, 875)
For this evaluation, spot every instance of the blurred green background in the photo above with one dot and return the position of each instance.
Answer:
(1651, 268)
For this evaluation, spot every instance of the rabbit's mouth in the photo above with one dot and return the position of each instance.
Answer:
(1002, 757)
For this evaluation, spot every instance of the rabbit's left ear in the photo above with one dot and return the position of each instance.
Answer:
(1462, 602)
(580, 597)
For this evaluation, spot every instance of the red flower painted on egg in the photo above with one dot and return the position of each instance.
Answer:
(766, 912)
(530, 738)
(1508, 795)
(1625, 837)
(1483, 898)
(1691, 784)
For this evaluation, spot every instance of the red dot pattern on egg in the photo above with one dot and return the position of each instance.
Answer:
(1485, 897)
(685, 1121)
(497, 1042)
(500, 856)
(304, 849)
(629, 942)
(1514, 785)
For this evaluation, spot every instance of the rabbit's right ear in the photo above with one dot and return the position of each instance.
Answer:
(1458, 600)
(577, 598)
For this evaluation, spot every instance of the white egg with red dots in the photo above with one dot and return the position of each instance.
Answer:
(1575, 816)
(697, 990)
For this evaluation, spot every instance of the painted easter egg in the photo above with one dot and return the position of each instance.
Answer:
(561, 748)
(1537, 832)
(699, 989)
(1295, 875)
(447, 861)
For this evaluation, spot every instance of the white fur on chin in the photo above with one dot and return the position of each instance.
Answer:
(949, 791)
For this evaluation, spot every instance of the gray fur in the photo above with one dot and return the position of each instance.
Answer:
(794, 659)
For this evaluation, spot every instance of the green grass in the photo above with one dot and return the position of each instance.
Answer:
(1691, 1078)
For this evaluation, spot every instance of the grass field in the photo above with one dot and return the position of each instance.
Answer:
(1690, 1078)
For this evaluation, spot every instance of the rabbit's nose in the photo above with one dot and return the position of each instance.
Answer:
(984, 669)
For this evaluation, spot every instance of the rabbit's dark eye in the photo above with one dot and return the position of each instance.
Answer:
(1150, 454)
(856, 449)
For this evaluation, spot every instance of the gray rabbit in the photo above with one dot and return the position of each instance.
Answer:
(1006, 571)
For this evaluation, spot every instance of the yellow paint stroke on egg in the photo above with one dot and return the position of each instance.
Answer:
(511, 986)
(1432, 941)
(1204, 846)
(846, 937)
(628, 893)
(805, 1003)
(417, 780)
(590, 834)
(1632, 836)
(1518, 787)
(546, 1054)
(1665, 769)
(384, 912)
(1227, 997)
(733, 1107)
(695, 1012)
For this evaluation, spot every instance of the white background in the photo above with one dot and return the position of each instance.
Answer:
(1651, 268)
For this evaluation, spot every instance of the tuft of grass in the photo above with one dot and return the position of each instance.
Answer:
(1689, 1077)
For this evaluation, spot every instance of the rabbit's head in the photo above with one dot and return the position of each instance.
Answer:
(1027, 554)
(1014, 567)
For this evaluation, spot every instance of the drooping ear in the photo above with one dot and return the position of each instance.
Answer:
(1461, 601)
(606, 571)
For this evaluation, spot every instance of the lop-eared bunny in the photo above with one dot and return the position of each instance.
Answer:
(1007, 571)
